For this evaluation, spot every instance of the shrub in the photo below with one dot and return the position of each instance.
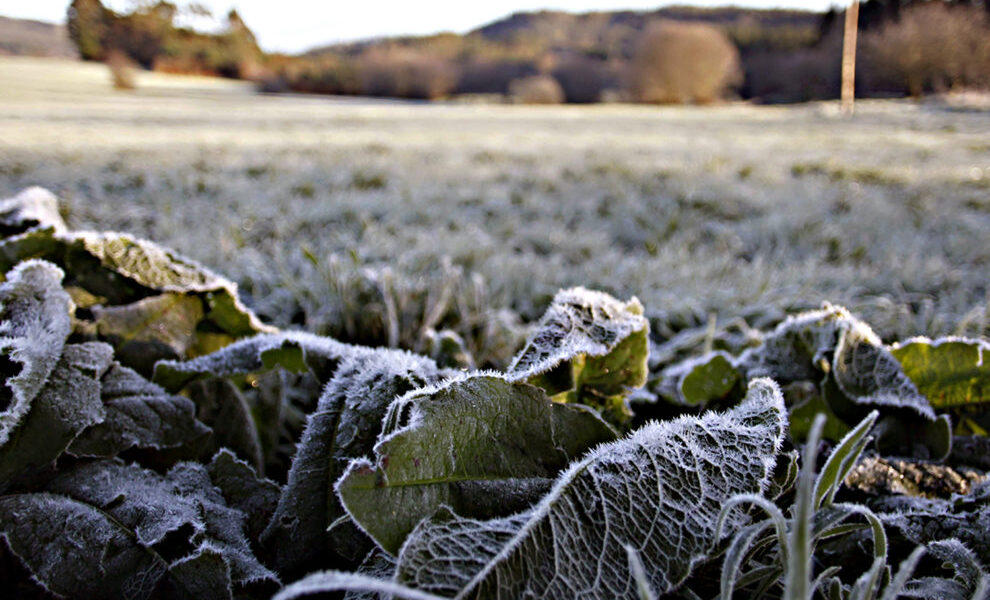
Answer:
(405, 73)
(538, 89)
(931, 47)
(683, 62)
(584, 79)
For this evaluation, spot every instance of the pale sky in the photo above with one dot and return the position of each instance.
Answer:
(297, 25)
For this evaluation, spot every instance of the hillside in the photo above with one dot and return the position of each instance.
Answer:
(24, 37)
(612, 34)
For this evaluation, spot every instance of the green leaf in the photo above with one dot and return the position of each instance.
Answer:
(122, 270)
(950, 372)
(482, 445)
(698, 382)
(344, 426)
(151, 329)
(34, 324)
(659, 491)
(802, 415)
(841, 461)
(33, 244)
(588, 348)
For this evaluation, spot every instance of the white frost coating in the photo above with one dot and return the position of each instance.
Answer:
(579, 321)
(33, 208)
(869, 374)
(658, 491)
(804, 345)
(35, 314)
(813, 332)
(400, 417)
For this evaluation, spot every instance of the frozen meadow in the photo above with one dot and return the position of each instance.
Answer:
(376, 221)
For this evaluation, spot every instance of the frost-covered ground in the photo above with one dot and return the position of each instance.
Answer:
(374, 220)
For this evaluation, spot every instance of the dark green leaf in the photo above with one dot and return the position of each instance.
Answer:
(138, 414)
(344, 426)
(68, 404)
(482, 445)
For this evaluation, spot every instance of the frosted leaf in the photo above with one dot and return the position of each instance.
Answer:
(64, 542)
(378, 565)
(831, 343)
(34, 324)
(919, 520)
(256, 393)
(113, 269)
(295, 351)
(579, 321)
(144, 502)
(109, 530)
(204, 574)
(344, 426)
(223, 528)
(243, 489)
(68, 404)
(32, 209)
(138, 414)
(794, 351)
(485, 446)
(869, 374)
(658, 491)
(588, 348)
(149, 264)
(157, 269)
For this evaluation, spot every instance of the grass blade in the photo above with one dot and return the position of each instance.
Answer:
(904, 572)
(797, 578)
(736, 553)
(842, 460)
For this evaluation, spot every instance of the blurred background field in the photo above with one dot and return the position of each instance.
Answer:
(377, 220)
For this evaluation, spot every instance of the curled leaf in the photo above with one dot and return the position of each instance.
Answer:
(658, 491)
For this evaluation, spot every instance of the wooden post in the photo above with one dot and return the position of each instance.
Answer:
(849, 57)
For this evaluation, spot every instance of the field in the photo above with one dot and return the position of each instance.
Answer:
(375, 220)
(158, 441)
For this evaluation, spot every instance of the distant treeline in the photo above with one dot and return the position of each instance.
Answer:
(676, 54)
(149, 37)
